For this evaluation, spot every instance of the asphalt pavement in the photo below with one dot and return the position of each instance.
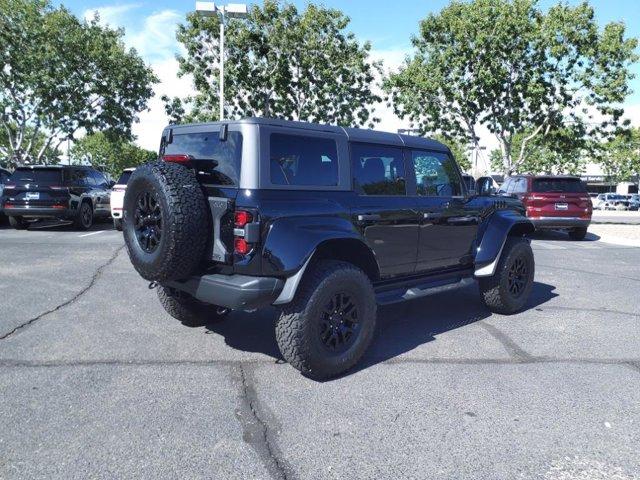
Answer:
(97, 381)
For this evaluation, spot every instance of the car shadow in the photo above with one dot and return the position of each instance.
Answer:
(401, 327)
(66, 226)
(560, 236)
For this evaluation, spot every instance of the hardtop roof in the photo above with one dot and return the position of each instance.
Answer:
(352, 134)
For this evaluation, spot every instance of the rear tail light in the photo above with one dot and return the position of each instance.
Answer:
(244, 229)
(182, 159)
(242, 217)
(241, 246)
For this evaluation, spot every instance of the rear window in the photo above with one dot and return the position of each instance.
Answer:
(299, 160)
(559, 185)
(124, 178)
(216, 162)
(39, 176)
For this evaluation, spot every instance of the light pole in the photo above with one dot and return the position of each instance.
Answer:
(232, 10)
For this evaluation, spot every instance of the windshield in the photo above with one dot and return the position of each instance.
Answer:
(560, 185)
(124, 178)
(39, 176)
(216, 162)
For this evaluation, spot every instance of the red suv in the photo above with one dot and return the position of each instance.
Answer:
(553, 202)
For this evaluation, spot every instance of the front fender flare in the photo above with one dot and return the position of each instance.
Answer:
(499, 226)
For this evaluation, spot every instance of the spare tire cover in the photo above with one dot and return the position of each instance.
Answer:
(165, 221)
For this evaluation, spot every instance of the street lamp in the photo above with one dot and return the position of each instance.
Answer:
(232, 10)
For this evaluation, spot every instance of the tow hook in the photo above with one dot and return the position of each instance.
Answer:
(153, 285)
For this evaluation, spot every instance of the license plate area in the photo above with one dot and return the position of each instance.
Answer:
(32, 196)
(562, 206)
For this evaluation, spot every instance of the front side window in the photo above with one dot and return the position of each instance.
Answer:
(300, 160)
(378, 170)
(436, 174)
(216, 162)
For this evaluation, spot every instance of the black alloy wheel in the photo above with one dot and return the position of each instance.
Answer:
(518, 276)
(86, 215)
(148, 221)
(340, 323)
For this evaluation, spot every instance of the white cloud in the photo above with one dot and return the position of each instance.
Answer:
(113, 15)
(151, 122)
(157, 37)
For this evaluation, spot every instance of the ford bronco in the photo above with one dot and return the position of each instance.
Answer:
(323, 222)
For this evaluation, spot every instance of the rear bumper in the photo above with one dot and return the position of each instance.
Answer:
(238, 292)
(37, 212)
(559, 222)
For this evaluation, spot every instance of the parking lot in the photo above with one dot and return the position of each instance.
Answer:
(97, 381)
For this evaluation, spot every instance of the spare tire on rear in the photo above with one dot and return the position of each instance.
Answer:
(165, 221)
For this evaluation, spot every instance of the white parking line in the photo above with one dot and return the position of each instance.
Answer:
(92, 233)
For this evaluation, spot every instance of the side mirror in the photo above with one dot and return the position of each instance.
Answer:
(484, 186)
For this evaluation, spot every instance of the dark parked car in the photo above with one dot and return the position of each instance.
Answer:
(323, 222)
(75, 193)
(553, 202)
(4, 176)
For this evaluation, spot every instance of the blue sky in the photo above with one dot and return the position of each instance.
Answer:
(150, 27)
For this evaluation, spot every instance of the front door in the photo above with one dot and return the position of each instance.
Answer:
(386, 216)
(449, 220)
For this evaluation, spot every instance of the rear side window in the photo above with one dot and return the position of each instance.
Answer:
(299, 160)
(39, 176)
(124, 178)
(378, 170)
(436, 174)
(558, 185)
(216, 162)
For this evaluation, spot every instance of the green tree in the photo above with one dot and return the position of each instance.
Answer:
(279, 62)
(60, 76)
(112, 154)
(50, 156)
(516, 69)
(461, 151)
(620, 156)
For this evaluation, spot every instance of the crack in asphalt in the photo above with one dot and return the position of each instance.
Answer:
(256, 430)
(633, 362)
(514, 350)
(73, 299)
(593, 310)
(600, 274)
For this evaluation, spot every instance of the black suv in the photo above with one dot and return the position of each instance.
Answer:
(322, 221)
(76, 193)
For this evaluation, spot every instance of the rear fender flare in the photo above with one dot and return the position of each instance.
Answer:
(500, 225)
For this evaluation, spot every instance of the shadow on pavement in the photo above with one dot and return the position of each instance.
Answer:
(557, 235)
(401, 327)
(64, 226)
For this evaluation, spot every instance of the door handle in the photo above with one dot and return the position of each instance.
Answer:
(368, 217)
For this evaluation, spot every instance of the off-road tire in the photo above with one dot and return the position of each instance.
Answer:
(184, 220)
(18, 223)
(190, 311)
(117, 224)
(84, 217)
(298, 327)
(495, 289)
(578, 233)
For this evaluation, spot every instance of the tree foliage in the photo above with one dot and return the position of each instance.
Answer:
(461, 151)
(518, 70)
(279, 62)
(112, 154)
(60, 76)
(620, 157)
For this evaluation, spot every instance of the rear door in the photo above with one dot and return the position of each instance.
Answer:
(217, 163)
(449, 219)
(386, 216)
(102, 194)
(36, 188)
(558, 197)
